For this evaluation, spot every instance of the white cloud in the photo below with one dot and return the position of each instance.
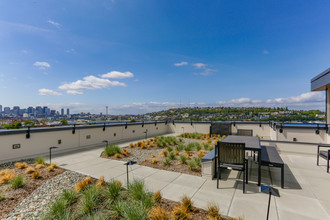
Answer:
(48, 92)
(199, 65)
(74, 92)
(70, 51)
(265, 52)
(307, 100)
(58, 25)
(207, 72)
(89, 82)
(41, 65)
(183, 63)
(118, 75)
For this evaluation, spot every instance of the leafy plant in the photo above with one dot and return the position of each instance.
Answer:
(169, 149)
(180, 212)
(112, 150)
(36, 175)
(213, 211)
(17, 182)
(29, 170)
(187, 203)
(172, 156)
(183, 159)
(134, 210)
(91, 199)
(157, 197)
(100, 182)
(69, 196)
(192, 164)
(179, 147)
(58, 210)
(198, 146)
(158, 213)
(167, 161)
(113, 190)
(40, 160)
(1, 196)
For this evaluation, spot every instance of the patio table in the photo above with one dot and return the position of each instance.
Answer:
(251, 143)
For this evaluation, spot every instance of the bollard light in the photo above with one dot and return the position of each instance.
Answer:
(129, 163)
(106, 142)
(50, 153)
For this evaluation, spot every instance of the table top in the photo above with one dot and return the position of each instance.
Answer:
(251, 142)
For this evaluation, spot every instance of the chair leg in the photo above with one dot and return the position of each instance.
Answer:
(247, 171)
(218, 175)
(282, 176)
(318, 154)
(328, 165)
(243, 180)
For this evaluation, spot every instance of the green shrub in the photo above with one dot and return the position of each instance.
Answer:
(167, 161)
(198, 146)
(134, 210)
(40, 160)
(198, 161)
(137, 189)
(113, 190)
(179, 147)
(117, 209)
(58, 210)
(69, 196)
(172, 156)
(192, 164)
(206, 146)
(17, 182)
(189, 147)
(1, 196)
(169, 149)
(183, 159)
(91, 198)
(112, 150)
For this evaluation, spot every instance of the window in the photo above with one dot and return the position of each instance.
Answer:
(114, 134)
(59, 141)
(88, 137)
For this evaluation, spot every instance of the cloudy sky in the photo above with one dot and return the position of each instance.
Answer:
(146, 55)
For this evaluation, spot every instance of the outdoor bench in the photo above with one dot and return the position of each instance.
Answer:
(270, 157)
(325, 154)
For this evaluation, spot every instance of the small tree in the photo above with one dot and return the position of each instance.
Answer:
(64, 122)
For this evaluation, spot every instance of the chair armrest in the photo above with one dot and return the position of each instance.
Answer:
(322, 145)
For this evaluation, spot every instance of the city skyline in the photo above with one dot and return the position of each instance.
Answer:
(139, 57)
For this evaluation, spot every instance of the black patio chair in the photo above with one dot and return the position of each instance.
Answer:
(232, 155)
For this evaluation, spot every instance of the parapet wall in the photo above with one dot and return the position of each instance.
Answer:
(65, 139)
(14, 144)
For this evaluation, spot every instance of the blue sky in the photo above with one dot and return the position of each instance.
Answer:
(142, 56)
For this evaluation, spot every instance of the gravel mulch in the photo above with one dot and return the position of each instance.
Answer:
(35, 203)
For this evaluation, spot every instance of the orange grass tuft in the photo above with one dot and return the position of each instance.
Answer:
(29, 170)
(118, 182)
(21, 165)
(117, 155)
(100, 182)
(39, 166)
(8, 175)
(154, 160)
(158, 213)
(35, 175)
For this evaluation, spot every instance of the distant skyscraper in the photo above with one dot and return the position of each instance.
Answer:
(68, 111)
(106, 110)
(62, 111)
(0, 108)
(6, 110)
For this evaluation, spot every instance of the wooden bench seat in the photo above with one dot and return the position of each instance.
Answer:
(270, 157)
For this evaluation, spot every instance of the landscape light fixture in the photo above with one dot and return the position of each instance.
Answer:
(142, 124)
(50, 153)
(146, 132)
(260, 124)
(129, 163)
(271, 191)
(191, 123)
(74, 129)
(155, 123)
(104, 127)
(126, 125)
(317, 130)
(281, 129)
(28, 132)
(106, 142)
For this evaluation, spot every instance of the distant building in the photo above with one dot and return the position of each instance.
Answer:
(68, 111)
(6, 110)
(0, 108)
(62, 112)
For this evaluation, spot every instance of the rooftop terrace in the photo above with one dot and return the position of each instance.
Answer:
(305, 196)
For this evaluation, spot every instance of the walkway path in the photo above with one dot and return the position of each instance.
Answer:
(303, 198)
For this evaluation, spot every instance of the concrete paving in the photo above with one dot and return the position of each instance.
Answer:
(305, 196)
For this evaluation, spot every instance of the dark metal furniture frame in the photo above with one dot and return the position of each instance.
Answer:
(232, 155)
(324, 154)
(252, 144)
(270, 157)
